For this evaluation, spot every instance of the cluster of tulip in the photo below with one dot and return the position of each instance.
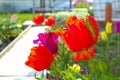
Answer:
(39, 19)
(77, 39)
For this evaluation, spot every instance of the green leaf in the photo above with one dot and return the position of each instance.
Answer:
(68, 75)
(107, 77)
(77, 75)
(102, 66)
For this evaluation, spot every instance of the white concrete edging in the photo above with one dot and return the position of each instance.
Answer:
(2, 53)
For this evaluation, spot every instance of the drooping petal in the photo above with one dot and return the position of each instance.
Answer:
(40, 58)
(76, 57)
(86, 55)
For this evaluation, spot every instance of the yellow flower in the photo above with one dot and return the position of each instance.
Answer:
(109, 28)
(104, 35)
(75, 68)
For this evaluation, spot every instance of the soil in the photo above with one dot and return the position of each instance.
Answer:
(11, 39)
(4, 45)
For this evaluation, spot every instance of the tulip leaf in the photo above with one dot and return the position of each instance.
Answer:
(102, 66)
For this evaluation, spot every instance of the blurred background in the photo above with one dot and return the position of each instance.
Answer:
(97, 7)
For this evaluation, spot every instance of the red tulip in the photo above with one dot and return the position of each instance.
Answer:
(94, 29)
(40, 58)
(76, 57)
(71, 20)
(50, 21)
(38, 19)
(84, 55)
(80, 34)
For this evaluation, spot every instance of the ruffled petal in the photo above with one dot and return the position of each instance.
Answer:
(40, 58)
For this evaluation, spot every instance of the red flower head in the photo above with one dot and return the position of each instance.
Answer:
(38, 19)
(50, 21)
(40, 58)
(80, 34)
(84, 54)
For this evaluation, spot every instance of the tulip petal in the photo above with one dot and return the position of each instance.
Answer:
(50, 40)
(40, 58)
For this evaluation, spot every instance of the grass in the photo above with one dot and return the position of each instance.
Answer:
(29, 15)
(20, 15)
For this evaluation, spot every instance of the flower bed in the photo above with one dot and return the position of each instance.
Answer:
(10, 28)
(78, 51)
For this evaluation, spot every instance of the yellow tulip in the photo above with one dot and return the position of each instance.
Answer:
(104, 35)
(109, 28)
(75, 68)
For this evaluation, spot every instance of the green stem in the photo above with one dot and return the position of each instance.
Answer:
(100, 50)
(119, 45)
(56, 70)
(90, 62)
(106, 56)
(35, 75)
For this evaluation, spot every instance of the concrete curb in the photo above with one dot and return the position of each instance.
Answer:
(5, 50)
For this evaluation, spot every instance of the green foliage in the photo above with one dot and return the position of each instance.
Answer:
(22, 16)
(9, 29)
(81, 5)
(113, 41)
(62, 16)
(104, 66)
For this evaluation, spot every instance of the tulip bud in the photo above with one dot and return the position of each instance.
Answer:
(104, 35)
(109, 28)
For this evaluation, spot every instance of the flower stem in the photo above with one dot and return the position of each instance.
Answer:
(106, 56)
(58, 72)
(119, 45)
(90, 62)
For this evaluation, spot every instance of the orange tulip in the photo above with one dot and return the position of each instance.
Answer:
(38, 19)
(40, 58)
(50, 21)
(80, 34)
